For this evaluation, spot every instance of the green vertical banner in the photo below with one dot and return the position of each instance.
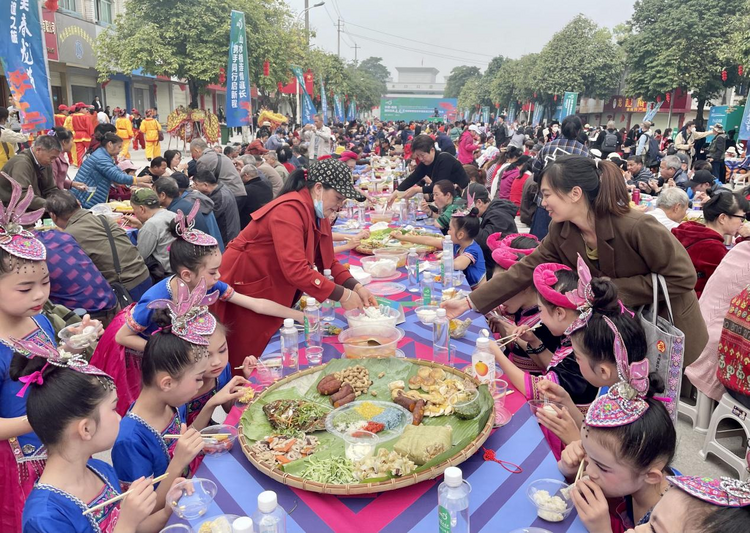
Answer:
(308, 107)
(485, 114)
(238, 86)
(570, 100)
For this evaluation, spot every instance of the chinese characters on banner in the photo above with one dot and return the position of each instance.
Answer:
(23, 62)
(308, 107)
(351, 114)
(238, 88)
(538, 114)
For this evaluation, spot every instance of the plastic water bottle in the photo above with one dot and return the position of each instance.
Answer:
(412, 269)
(243, 524)
(453, 502)
(326, 310)
(290, 345)
(312, 323)
(446, 263)
(483, 362)
(403, 210)
(361, 213)
(270, 517)
(440, 332)
(428, 288)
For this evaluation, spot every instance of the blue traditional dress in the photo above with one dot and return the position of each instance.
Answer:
(139, 319)
(195, 405)
(142, 450)
(22, 459)
(49, 509)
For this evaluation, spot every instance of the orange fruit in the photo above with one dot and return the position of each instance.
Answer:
(481, 369)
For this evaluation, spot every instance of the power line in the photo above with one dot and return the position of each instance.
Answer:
(410, 49)
(418, 42)
(335, 25)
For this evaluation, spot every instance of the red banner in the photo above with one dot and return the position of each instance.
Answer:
(50, 34)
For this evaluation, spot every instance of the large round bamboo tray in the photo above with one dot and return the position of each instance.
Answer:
(369, 488)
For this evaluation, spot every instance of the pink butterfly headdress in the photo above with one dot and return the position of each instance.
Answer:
(723, 491)
(184, 228)
(191, 320)
(466, 211)
(503, 252)
(55, 357)
(624, 403)
(545, 278)
(583, 298)
(13, 238)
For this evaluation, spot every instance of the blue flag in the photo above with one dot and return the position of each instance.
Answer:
(22, 57)
(238, 86)
(308, 107)
(323, 101)
(538, 114)
(338, 109)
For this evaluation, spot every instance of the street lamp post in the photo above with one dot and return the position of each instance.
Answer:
(306, 12)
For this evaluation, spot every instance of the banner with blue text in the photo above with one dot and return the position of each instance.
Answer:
(323, 101)
(239, 108)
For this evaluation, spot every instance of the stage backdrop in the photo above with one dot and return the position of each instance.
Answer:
(406, 108)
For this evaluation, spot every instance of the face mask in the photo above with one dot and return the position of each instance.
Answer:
(318, 203)
(554, 129)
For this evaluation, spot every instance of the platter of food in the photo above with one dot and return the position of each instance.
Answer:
(365, 426)
(382, 239)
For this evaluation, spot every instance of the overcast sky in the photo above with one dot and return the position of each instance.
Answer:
(460, 32)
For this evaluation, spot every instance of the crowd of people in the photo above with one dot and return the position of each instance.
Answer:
(245, 229)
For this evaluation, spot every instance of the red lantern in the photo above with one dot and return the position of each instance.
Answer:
(534, 95)
(266, 68)
(497, 106)
(668, 97)
(555, 98)
(724, 75)
(280, 86)
(658, 99)
(222, 76)
(740, 70)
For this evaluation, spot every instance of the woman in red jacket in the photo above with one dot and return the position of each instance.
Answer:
(274, 256)
(724, 213)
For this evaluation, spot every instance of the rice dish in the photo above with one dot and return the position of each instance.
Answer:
(550, 508)
(390, 418)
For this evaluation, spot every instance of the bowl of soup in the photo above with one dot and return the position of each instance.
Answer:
(369, 341)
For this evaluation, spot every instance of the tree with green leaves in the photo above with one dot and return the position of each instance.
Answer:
(472, 93)
(681, 45)
(583, 58)
(170, 38)
(457, 78)
(375, 66)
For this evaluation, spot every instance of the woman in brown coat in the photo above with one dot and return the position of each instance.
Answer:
(589, 206)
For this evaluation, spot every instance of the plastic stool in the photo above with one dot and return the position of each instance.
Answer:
(728, 408)
(699, 414)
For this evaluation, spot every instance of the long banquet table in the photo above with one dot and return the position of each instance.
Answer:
(498, 501)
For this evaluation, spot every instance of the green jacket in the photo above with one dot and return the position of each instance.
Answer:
(87, 229)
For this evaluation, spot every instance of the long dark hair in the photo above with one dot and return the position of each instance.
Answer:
(600, 181)
(66, 396)
(166, 352)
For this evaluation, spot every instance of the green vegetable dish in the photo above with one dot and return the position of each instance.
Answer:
(295, 408)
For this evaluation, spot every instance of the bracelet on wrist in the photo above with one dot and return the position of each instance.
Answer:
(348, 295)
(535, 351)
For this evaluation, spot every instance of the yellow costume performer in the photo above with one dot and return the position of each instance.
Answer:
(125, 132)
(151, 128)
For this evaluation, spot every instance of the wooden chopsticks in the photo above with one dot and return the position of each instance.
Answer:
(121, 496)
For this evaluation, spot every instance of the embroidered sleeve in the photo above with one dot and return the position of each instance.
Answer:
(132, 323)
(470, 255)
(227, 294)
(531, 382)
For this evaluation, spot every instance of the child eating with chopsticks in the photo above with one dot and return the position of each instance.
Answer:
(154, 438)
(522, 309)
(71, 408)
(627, 443)
(552, 281)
